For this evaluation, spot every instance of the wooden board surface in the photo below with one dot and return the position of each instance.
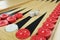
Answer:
(43, 6)
(57, 32)
(8, 4)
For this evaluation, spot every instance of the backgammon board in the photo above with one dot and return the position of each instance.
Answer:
(30, 20)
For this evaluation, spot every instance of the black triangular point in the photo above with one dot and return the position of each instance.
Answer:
(17, 11)
(22, 22)
(33, 25)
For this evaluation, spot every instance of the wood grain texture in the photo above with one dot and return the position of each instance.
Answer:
(6, 5)
(43, 6)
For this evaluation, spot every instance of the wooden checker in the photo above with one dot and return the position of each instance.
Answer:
(43, 6)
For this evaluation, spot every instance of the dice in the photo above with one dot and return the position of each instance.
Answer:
(34, 13)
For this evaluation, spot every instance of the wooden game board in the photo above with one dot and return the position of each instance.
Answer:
(43, 5)
(11, 4)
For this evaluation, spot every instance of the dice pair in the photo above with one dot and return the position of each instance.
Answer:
(34, 13)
